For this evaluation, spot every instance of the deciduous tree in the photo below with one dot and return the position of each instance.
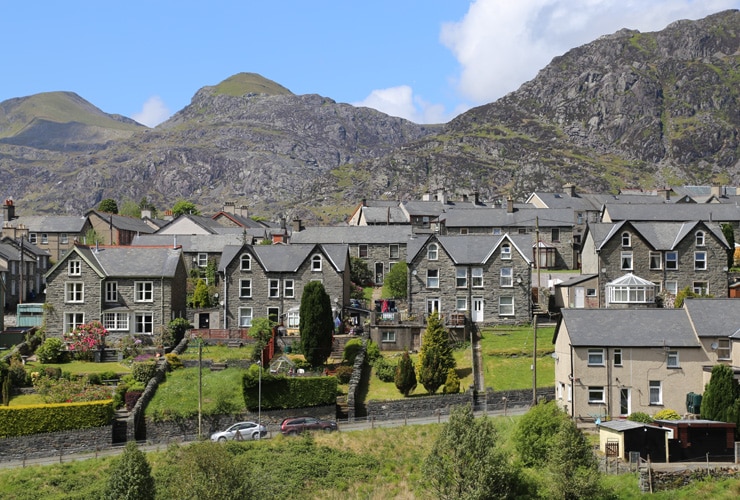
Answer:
(395, 283)
(536, 430)
(131, 476)
(184, 207)
(108, 206)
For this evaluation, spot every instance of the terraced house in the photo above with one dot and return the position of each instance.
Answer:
(485, 278)
(268, 280)
(131, 290)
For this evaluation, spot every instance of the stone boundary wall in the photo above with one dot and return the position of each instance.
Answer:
(428, 406)
(671, 480)
(187, 429)
(55, 443)
(354, 381)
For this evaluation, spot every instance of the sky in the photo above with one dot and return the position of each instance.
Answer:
(424, 60)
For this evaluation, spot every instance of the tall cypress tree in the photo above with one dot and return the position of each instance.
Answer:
(435, 355)
(720, 399)
(405, 378)
(316, 324)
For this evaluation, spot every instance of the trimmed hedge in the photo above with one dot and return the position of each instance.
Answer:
(37, 419)
(280, 392)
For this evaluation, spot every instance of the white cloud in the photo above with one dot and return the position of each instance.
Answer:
(153, 112)
(400, 101)
(500, 44)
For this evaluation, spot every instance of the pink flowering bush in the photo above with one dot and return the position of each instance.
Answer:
(85, 339)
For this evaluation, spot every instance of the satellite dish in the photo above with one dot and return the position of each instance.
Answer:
(554, 355)
(714, 346)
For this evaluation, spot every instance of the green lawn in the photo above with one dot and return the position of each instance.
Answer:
(218, 353)
(83, 367)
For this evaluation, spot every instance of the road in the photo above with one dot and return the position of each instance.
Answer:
(343, 426)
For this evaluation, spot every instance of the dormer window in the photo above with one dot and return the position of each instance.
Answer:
(316, 263)
(432, 252)
(700, 238)
(626, 239)
(245, 263)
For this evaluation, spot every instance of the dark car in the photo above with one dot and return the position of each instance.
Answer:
(296, 425)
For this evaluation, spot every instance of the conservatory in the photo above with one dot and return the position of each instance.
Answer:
(630, 289)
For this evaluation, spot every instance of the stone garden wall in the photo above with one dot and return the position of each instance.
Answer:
(55, 443)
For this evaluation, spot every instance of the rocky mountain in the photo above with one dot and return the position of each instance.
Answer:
(627, 110)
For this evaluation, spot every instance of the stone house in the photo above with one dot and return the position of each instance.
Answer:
(379, 246)
(550, 229)
(131, 290)
(22, 269)
(268, 280)
(487, 279)
(671, 255)
(117, 229)
(614, 362)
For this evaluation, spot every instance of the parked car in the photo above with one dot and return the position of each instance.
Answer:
(241, 430)
(296, 425)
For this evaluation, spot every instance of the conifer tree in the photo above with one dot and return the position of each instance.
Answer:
(435, 355)
(405, 378)
(316, 324)
(131, 477)
(721, 397)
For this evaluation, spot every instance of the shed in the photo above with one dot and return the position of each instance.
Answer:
(697, 439)
(620, 437)
(29, 314)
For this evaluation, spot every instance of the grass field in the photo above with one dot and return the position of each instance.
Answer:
(82, 367)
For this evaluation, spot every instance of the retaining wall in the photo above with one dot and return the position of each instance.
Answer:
(55, 443)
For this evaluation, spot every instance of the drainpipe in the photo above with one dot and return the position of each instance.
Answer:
(225, 300)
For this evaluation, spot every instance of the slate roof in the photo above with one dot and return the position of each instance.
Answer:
(576, 280)
(471, 249)
(128, 261)
(190, 243)
(51, 223)
(206, 223)
(661, 235)
(499, 217)
(385, 215)
(720, 212)
(286, 258)
(628, 328)
(353, 234)
(714, 317)
(239, 219)
(619, 425)
(430, 208)
(125, 223)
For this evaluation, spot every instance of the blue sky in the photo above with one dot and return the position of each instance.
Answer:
(425, 60)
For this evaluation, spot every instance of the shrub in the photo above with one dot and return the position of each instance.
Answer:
(351, 349)
(173, 362)
(51, 351)
(130, 347)
(405, 376)
(385, 370)
(131, 398)
(667, 414)
(75, 390)
(279, 391)
(535, 432)
(641, 417)
(18, 375)
(143, 371)
(131, 476)
(344, 374)
(85, 339)
(94, 378)
(452, 384)
(372, 352)
(35, 419)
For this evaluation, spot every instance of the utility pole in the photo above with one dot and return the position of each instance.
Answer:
(200, 389)
(534, 322)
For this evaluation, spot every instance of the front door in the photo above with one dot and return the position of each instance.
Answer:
(379, 273)
(477, 309)
(204, 321)
(580, 297)
(625, 401)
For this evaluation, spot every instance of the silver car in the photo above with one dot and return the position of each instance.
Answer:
(241, 431)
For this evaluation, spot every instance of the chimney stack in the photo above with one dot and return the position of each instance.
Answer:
(297, 226)
(570, 188)
(509, 205)
(8, 210)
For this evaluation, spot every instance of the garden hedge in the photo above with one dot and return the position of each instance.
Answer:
(281, 392)
(36, 419)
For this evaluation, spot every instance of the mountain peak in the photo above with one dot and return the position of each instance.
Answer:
(249, 83)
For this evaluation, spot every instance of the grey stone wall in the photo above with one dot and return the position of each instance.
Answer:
(55, 443)
(379, 253)
(671, 480)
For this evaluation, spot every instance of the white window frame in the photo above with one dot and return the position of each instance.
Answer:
(672, 360)
(596, 394)
(246, 314)
(625, 261)
(724, 349)
(74, 268)
(432, 278)
(293, 319)
(461, 277)
(44, 238)
(63, 238)
(116, 321)
(245, 289)
(671, 286)
(700, 239)
(32, 238)
(433, 252)
(461, 303)
(655, 391)
(74, 292)
(245, 262)
(73, 320)
(144, 323)
(111, 291)
(569, 392)
(476, 275)
(507, 277)
(626, 239)
(656, 261)
(388, 337)
(202, 259)
(700, 261)
(505, 251)
(617, 356)
(143, 291)
(316, 263)
(273, 288)
(671, 260)
(289, 288)
(596, 357)
(505, 308)
(700, 287)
